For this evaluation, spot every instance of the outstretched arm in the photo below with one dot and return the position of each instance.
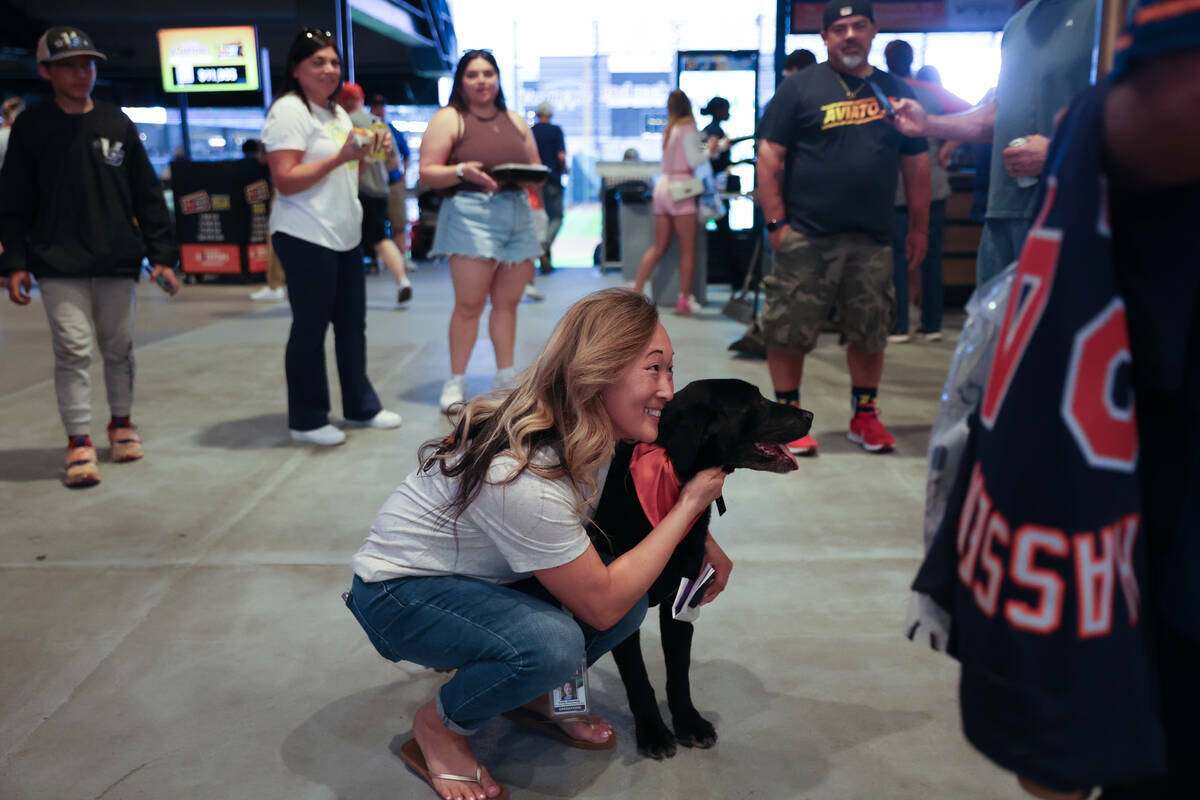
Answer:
(601, 595)
(975, 125)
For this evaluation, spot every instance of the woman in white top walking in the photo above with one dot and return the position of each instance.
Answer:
(316, 231)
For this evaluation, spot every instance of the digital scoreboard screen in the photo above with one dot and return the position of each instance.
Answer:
(209, 59)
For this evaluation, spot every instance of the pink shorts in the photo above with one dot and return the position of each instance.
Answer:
(663, 204)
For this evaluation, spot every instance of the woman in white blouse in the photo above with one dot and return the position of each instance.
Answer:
(316, 229)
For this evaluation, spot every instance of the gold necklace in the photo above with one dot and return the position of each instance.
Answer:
(849, 94)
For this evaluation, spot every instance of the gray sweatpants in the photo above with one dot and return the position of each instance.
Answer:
(79, 308)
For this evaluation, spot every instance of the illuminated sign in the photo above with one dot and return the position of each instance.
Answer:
(209, 59)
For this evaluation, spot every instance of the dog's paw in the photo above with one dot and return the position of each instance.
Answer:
(655, 740)
(693, 730)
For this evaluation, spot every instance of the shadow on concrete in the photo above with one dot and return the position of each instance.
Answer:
(34, 464)
(263, 432)
(775, 745)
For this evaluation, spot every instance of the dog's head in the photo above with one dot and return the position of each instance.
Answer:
(726, 422)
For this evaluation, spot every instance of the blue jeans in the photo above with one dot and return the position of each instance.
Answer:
(999, 246)
(931, 269)
(508, 646)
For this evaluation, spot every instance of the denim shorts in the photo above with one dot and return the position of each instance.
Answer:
(481, 225)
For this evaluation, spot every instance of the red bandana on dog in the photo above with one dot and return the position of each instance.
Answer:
(655, 481)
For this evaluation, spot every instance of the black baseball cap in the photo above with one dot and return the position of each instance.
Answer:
(66, 41)
(836, 9)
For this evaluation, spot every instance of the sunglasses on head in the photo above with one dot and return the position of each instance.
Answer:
(317, 33)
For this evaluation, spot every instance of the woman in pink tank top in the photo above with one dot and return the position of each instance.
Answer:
(485, 229)
(675, 217)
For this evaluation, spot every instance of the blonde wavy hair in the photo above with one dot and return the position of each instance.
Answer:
(679, 108)
(556, 404)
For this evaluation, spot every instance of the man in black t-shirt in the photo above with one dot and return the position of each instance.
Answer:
(828, 163)
(80, 210)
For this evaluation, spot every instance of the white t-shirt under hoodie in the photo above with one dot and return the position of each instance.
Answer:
(509, 530)
(328, 212)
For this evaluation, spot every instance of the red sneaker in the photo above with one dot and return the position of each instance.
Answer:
(868, 431)
(804, 446)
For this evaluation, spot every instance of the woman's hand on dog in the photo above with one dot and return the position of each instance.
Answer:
(703, 489)
(722, 565)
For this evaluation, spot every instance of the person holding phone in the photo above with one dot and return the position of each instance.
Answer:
(451, 573)
(316, 229)
(81, 209)
(484, 229)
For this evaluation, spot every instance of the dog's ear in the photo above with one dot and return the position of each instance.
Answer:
(682, 432)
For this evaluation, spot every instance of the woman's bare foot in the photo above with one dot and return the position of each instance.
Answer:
(447, 752)
(593, 729)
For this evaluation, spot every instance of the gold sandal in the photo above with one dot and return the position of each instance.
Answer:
(410, 751)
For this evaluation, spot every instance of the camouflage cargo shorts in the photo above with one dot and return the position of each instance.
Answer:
(811, 274)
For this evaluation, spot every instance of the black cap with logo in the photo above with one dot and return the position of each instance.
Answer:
(66, 41)
(837, 9)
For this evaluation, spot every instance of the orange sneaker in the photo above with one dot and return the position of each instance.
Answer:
(126, 444)
(81, 464)
(868, 431)
(804, 446)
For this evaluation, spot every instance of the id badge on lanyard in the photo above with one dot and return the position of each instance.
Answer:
(570, 699)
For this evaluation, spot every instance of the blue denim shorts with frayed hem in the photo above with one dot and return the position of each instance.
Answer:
(480, 225)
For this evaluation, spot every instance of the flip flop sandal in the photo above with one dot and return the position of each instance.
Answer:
(414, 759)
(541, 724)
(81, 468)
(126, 444)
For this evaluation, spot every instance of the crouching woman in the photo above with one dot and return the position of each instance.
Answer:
(504, 498)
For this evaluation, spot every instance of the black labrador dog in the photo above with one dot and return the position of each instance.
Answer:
(720, 422)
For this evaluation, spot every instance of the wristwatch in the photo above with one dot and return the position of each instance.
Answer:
(458, 171)
(775, 224)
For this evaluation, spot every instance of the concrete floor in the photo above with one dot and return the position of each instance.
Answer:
(177, 632)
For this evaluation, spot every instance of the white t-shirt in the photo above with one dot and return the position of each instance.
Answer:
(328, 212)
(507, 532)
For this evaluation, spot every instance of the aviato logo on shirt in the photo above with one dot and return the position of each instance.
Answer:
(851, 112)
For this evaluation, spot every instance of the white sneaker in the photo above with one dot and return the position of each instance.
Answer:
(532, 292)
(454, 390)
(268, 295)
(505, 379)
(326, 436)
(899, 338)
(384, 419)
(932, 336)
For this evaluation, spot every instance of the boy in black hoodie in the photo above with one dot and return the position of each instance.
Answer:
(80, 209)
